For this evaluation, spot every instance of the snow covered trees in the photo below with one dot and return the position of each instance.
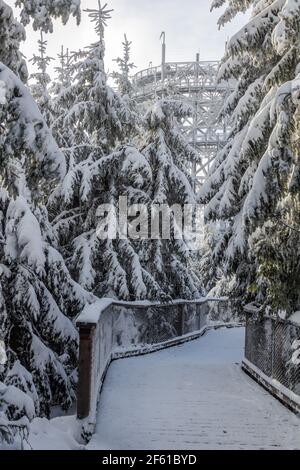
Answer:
(42, 12)
(42, 80)
(122, 77)
(99, 114)
(12, 33)
(109, 267)
(123, 80)
(37, 291)
(250, 182)
(168, 153)
(61, 101)
(99, 173)
(104, 165)
(25, 138)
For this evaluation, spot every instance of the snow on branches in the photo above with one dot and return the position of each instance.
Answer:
(248, 185)
(42, 12)
(25, 136)
(12, 33)
(168, 153)
(38, 297)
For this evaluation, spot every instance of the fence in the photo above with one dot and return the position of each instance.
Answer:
(272, 356)
(110, 330)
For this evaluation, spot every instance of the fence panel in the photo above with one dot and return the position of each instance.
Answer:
(286, 368)
(273, 346)
(259, 344)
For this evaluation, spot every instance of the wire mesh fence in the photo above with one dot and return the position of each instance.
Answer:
(273, 346)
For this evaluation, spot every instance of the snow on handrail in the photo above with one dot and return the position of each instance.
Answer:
(91, 313)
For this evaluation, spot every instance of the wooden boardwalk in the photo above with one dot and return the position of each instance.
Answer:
(193, 396)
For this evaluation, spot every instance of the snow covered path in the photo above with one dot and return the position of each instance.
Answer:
(193, 396)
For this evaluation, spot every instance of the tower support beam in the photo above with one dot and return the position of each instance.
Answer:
(195, 83)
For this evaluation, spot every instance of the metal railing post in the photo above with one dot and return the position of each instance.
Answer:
(183, 319)
(273, 346)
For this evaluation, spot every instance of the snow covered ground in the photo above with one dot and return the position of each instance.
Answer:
(56, 434)
(194, 396)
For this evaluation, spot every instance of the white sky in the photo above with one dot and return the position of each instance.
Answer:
(189, 25)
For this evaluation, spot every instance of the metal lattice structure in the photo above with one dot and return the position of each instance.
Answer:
(196, 84)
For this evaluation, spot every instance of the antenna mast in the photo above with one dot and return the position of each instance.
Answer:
(163, 56)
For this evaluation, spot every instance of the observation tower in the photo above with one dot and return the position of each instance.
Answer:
(196, 84)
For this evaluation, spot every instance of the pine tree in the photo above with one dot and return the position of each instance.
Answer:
(100, 116)
(167, 152)
(37, 293)
(126, 88)
(122, 77)
(40, 89)
(62, 101)
(64, 69)
(250, 181)
(99, 172)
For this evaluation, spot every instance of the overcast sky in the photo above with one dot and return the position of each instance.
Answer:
(189, 25)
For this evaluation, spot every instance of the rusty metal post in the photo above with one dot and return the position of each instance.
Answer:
(86, 335)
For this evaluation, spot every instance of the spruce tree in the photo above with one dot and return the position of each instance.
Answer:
(61, 101)
(168, 153)
(122, 77)
(255, 178)
(101, 170)
(41, 80)
(37, 292)
(100, 116)
(126, 89)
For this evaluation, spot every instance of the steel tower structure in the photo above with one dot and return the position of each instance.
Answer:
(196, 84)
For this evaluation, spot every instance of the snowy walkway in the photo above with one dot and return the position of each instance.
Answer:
(193, 396)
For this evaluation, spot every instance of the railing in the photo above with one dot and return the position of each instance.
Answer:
(272, 355)
(189, 76)
(109, 330)
(173, 68)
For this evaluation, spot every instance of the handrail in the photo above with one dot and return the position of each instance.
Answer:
(152, 70)
(110, 329)
(92, 312)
